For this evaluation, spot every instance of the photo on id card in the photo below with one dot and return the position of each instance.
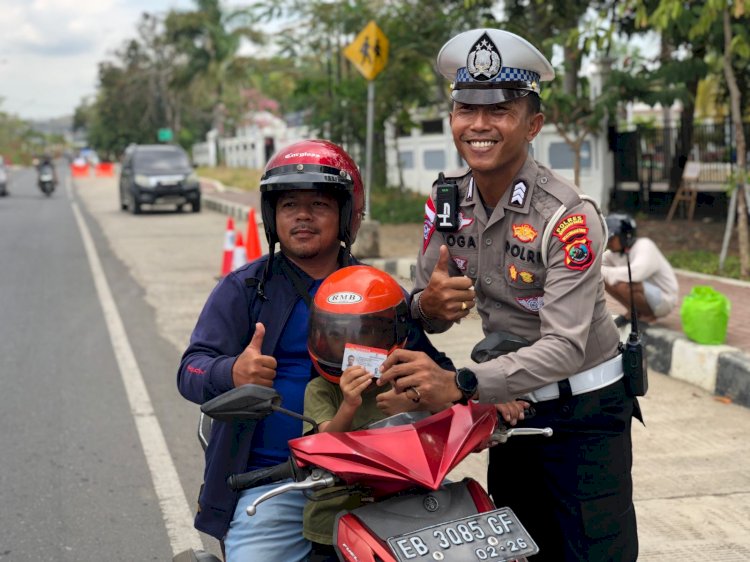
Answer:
(371, 358)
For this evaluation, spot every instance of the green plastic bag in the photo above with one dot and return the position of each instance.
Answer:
(705, 315)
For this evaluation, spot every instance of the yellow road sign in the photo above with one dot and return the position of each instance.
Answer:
(369, 51)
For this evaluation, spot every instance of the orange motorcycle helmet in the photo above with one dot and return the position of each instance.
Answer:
(358, 305)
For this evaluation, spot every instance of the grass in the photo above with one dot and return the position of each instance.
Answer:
(701, 261)
(389, 205)
(240, 178)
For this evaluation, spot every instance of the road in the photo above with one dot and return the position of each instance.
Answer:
(99, 466)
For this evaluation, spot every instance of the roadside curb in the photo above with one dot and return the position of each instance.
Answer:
(235, 210)
(720, 369)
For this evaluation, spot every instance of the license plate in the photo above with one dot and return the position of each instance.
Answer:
(494, 535)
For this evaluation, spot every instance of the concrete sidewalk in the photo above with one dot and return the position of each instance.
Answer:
(723, 370)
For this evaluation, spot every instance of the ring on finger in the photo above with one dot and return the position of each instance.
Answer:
(418, 395)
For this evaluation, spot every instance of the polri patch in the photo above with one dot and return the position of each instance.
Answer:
(460, 262)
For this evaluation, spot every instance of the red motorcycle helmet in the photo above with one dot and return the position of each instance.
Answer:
(360, 305)
(308, 165)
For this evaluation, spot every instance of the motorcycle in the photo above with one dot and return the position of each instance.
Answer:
(400, 465)
(46, 181)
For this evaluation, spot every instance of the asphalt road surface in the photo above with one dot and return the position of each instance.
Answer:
(99, 459)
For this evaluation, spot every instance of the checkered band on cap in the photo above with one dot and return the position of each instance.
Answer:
(505, 75)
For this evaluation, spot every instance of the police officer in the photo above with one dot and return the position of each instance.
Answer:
(524, 245)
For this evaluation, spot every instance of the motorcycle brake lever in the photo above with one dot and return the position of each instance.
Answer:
(317, 479)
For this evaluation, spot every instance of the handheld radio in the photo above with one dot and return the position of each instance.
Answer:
(446, 205)
(634, 362)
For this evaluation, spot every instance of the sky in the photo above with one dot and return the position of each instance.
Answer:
(50, 49)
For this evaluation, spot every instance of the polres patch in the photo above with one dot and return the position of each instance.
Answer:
(578, 254)
(572, 226)
(344, 297)
(532, 304)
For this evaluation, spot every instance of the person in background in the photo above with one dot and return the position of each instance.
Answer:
(374, 314)
(655, 287)
(511, 237)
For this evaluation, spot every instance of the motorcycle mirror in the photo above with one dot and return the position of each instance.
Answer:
(247, 402)
(497, 344)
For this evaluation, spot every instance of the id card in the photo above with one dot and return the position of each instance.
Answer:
(371, 358)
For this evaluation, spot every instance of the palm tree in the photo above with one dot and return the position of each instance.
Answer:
(210, 38)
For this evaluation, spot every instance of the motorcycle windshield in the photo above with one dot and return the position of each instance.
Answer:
(391, 459)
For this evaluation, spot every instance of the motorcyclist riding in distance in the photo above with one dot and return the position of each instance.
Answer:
(46, 164)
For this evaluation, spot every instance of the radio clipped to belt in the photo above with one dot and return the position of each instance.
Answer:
(634, 364)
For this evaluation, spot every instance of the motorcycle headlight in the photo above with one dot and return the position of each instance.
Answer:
(143, 181)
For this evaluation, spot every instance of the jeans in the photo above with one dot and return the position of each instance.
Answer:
(273, 534)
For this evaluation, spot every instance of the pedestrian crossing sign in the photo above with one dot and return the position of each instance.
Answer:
(369, 51)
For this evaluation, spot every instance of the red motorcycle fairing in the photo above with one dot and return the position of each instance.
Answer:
(392, 459)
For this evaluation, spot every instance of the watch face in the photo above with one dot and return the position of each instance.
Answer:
(467, 380)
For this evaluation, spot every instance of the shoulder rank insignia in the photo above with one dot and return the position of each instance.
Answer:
(518, 197)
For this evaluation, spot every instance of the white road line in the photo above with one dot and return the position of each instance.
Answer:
(174, 506)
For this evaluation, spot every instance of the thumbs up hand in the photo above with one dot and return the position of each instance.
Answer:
(446, 297)
(252, 367)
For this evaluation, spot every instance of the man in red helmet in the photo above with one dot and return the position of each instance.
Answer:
(253, 330)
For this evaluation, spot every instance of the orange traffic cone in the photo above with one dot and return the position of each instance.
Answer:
(239, 257)
(229, 243)
(253, 243)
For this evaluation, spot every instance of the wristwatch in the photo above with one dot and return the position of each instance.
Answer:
(467, 383)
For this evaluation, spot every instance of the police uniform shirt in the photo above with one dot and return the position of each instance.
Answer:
(560, 308)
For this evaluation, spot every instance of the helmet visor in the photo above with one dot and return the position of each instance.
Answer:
(305, 176)
(329, 333)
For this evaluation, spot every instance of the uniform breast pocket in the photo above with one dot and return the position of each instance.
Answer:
(466, 260)
(523, 275)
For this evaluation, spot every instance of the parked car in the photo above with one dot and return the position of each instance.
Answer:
(157, 173)
(3, 178)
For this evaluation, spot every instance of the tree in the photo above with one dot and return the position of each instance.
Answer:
(210, 38)
(734, 51)
(328, 88)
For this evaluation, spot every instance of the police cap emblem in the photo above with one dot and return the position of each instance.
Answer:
(483, 62)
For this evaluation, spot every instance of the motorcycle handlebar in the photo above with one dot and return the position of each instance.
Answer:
(261, 476)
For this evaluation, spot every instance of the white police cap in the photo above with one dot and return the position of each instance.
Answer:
(491, 66)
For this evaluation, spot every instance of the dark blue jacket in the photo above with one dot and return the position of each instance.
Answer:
(223, 331)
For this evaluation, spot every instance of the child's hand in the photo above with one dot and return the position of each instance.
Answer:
(354, 380)
(391, 403)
